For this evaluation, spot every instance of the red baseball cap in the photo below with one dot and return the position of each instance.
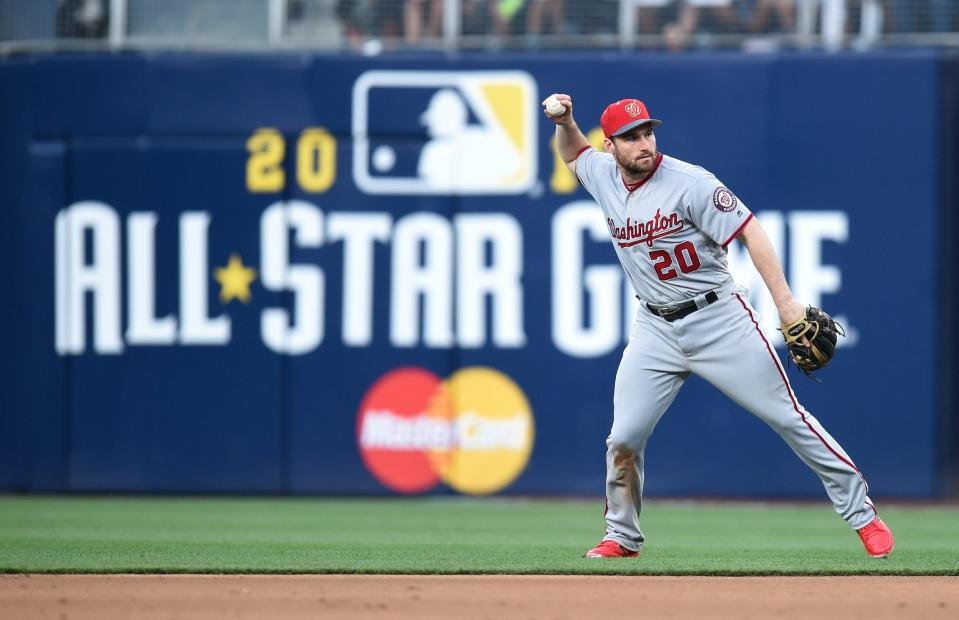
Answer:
(620, 117)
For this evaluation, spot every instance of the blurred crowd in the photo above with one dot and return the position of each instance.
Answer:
(676, 22)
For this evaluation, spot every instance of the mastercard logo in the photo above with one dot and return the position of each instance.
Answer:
(473, 432)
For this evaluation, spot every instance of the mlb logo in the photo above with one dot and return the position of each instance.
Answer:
(444, 132)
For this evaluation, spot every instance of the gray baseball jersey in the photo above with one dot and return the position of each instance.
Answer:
(679, 222)
(670, 232)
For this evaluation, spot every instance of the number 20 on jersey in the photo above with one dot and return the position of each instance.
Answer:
(685, 258)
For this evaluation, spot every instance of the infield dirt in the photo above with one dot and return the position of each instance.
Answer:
(108, 597)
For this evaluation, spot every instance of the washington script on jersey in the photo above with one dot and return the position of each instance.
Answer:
(636, 232)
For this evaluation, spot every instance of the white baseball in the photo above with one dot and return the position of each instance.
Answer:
(554, 107)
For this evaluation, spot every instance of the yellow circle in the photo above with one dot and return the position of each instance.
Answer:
(491, 431)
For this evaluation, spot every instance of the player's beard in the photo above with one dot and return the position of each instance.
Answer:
(637, 167)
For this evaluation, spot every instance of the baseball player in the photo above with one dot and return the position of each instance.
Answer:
(670, 223)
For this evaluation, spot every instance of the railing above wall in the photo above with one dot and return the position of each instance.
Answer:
(374, 26)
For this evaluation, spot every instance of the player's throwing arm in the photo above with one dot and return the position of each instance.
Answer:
(570, 141)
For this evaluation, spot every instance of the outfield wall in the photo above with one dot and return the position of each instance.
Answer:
(434, 306)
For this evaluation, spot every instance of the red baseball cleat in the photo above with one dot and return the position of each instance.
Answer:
(610, 549)
(877, 539)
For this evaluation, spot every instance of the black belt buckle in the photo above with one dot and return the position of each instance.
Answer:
(685, 309)
(670, 314)
(666, 312)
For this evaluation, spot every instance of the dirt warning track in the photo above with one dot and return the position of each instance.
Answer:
(108, 597)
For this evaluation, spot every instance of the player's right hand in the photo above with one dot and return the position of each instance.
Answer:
(567, 117)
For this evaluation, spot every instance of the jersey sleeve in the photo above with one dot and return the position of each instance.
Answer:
(590, 164)
(716, 211)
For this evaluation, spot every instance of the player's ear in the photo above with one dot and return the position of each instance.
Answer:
(608, 145)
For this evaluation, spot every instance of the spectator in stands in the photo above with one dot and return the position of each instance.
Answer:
(773, 16)
(841, 18)
(369, 24)
(353, 31)
(712, 16)
(475, 15)
(652, 14)
(388, 19)
(552, 10)
(413, 20)
(82, 19)
(504, 15)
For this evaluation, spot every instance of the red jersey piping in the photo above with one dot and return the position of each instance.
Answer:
(793, 398)
(738, 230)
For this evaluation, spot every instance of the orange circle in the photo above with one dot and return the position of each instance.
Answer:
(491, 430)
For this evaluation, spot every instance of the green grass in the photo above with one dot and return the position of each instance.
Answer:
(452, 535)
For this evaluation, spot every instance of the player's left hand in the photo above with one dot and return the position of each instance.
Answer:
(811, 339)
(791, 311)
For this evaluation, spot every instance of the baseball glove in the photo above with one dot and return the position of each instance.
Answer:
(820, 331)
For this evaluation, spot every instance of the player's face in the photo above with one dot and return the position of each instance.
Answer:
(635, 151)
